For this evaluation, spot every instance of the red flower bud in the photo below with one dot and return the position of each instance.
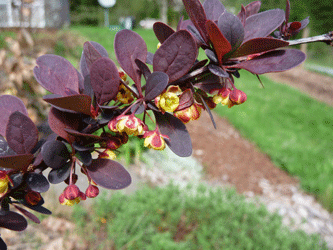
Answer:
(92, 191)
(237, 97)
(71, 192)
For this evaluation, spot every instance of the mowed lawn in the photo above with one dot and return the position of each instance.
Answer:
(292, 128)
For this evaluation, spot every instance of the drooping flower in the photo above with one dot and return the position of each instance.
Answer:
(222, 96)
(154, 139)
(237, 97)
(71, 195)
(190, 113)
(168, 101)
(107, 154)
(128, 124)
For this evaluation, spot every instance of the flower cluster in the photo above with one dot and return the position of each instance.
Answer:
(99, 108)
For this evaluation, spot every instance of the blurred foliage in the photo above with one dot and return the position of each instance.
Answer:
(189, 218)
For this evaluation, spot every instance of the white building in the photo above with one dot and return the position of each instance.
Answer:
(34, 13)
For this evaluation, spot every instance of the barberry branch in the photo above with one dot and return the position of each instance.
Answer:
(326, 38)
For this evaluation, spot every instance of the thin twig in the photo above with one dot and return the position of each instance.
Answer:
(326, 38)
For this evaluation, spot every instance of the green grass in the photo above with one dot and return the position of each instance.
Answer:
(292, 128)
(194, 218)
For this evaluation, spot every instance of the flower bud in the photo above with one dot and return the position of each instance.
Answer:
(32, 198)
(92, 191)
(189, 114)
(154, 139)
(71, 192)
(237, 97)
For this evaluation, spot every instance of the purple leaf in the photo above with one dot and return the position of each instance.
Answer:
(8, 105)
(37, 208)
(263, 24)
(21, 133)
(57, 176)
(162, 31)
(129, 46)
(220, 43)
(242, 15)
(55, 154)
(85, 157)
(3, 245)
(217, 70)
(180, 140)
(17, 162)
(81, 81)
(209, 83)
(144, 68)
(197, 15)
(105, 80)
(213, 9)
(56, 74)
(5, 150)
(150, 57)
(28, 214)
(287, 11)
(109, 174)
(259, 45)
(77, 103)
(13, 221)
(176, 55)
(232, 29)
(185, 100)
(155, 85)
(252, 8)
(274, 61)
(37, 182)
(59, 120)
(91, 52)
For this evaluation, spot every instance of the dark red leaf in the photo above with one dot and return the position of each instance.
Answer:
(105, 80)
(220, 43)
(91, 52)
(180, 140)
(259, 45)
(56, 74)
(59, 120)
(208, 110)
(55, 154)
(263, 24)
(8, 105)
(38, 208)
(129, 46)
(77, 103)
(274, 61)
(109, 174)
(59, 175)
(3, 245)
(176, 55)
(217, 70)
(197, 14)
(83, 138)
(5, 150)
(155, 85)
(242, 15)
(17, 162)
(144, 68)
(162, 31)
(287, 11)
(28, 214)
(209, 83)
(37, 182)
(252, 8)
(232, 29)
(85, 157)
(13, 221)
(21, 133)
(185, 100)
(213, 9)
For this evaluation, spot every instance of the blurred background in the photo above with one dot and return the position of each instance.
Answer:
(268, 186)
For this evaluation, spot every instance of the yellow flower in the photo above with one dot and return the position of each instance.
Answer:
(4, 181)
(189, 114)
(168, 101)
(128, 124)
(108, 154)
(124, 95)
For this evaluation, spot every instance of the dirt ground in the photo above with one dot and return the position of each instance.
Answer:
(239, 162)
